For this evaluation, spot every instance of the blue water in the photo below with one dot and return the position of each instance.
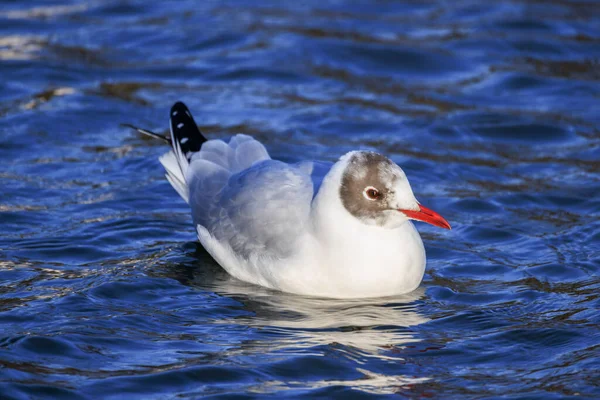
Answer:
(491, 108)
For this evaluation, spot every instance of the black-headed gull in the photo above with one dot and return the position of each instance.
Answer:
(338, 230)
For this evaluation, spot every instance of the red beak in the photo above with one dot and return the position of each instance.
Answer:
(427, 215)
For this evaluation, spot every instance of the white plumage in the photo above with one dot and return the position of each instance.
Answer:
(332, 230)
(256, 217)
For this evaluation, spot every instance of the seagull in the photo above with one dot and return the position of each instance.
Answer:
(334, 230)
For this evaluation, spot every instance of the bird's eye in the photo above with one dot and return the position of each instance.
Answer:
(371, 193)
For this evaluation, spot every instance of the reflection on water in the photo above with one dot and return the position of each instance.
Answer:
(298, 326)
(309, 321)
(368, 382)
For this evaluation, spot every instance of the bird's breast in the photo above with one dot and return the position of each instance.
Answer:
(375, 262)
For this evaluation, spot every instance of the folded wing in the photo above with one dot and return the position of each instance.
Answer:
(246, 200)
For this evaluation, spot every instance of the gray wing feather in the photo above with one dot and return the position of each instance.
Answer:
(262, 210)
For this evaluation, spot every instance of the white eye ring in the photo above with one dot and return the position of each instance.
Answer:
(370, 193)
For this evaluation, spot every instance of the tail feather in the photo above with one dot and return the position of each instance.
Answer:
(185, 140)
(175, 174)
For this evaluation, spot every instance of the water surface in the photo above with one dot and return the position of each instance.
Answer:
(490, 108)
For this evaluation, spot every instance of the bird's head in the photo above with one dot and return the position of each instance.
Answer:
(376, 191)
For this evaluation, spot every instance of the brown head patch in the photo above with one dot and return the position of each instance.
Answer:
(366, 171)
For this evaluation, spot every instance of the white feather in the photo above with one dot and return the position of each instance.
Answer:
(174, 174)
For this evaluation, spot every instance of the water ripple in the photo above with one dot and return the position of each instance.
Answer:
(489, 108)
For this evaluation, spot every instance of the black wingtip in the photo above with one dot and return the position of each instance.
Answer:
(184, 129)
